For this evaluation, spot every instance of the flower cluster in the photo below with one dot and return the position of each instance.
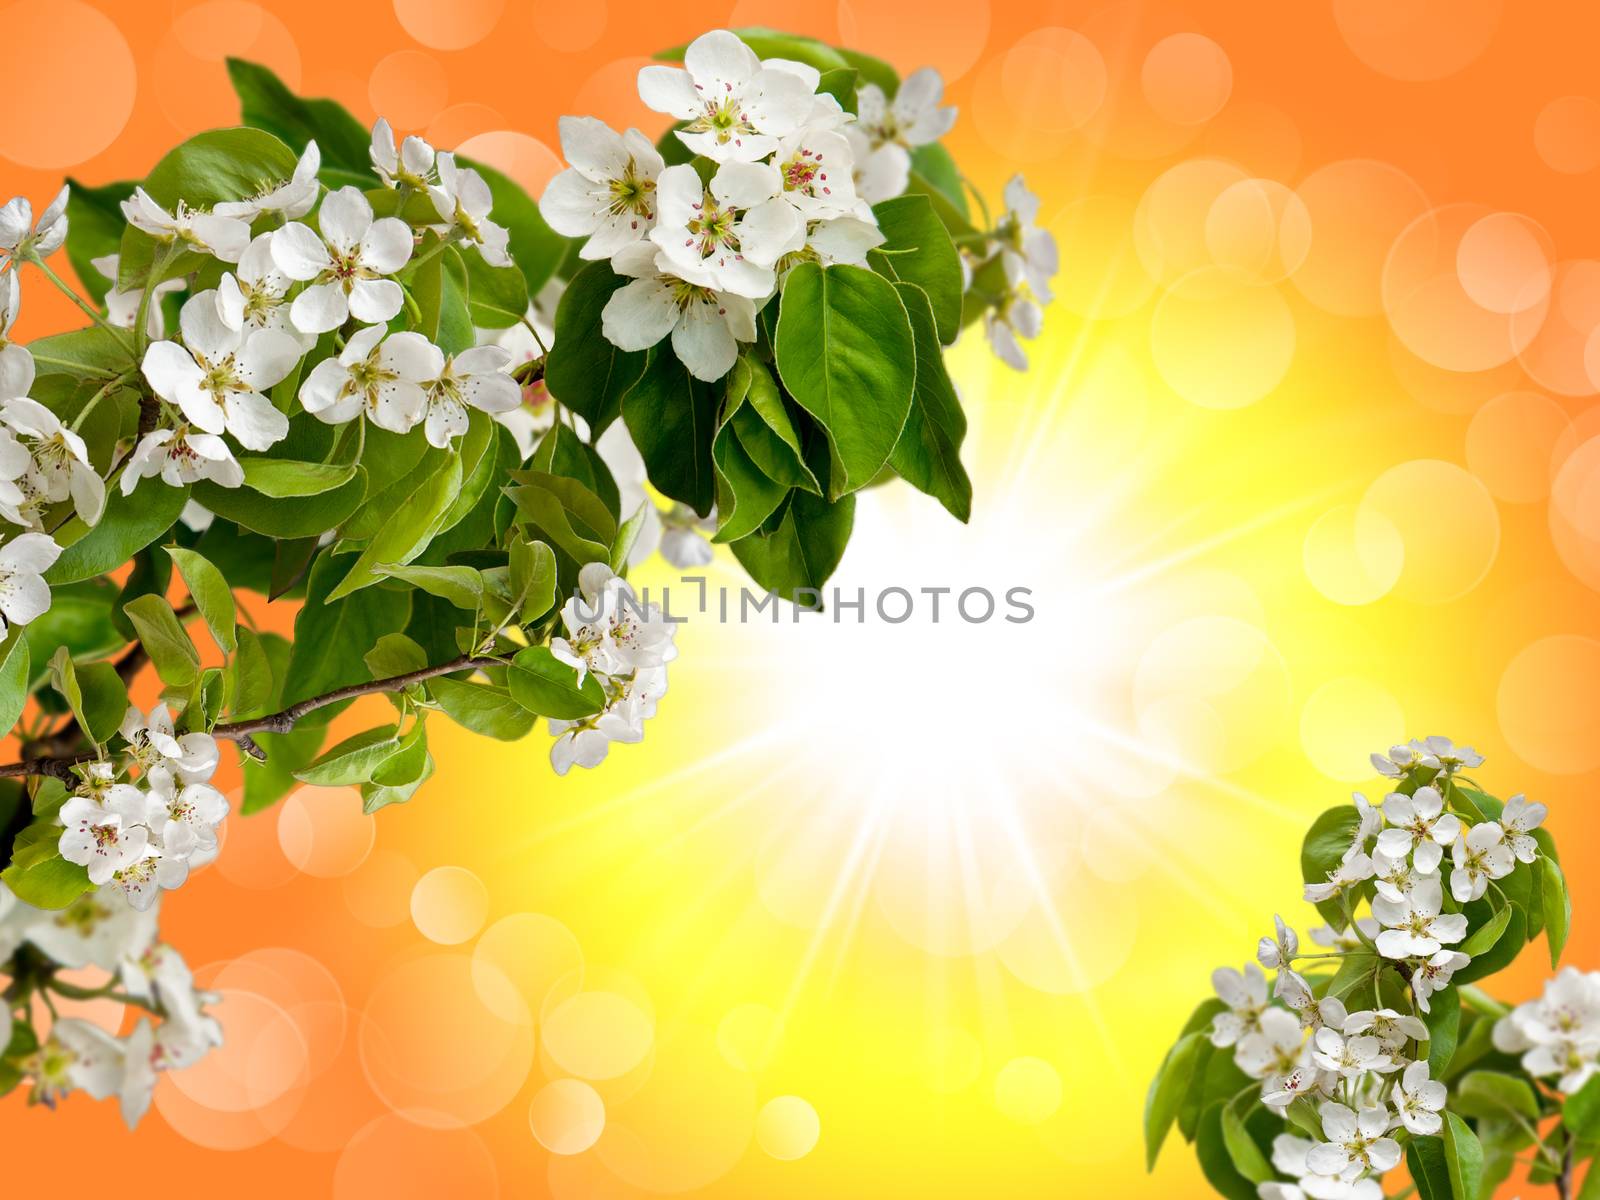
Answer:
(1356, 1084)
(139, 827)
(1557, 1035)
(74, 1054)
(625, 645)
(791, 177)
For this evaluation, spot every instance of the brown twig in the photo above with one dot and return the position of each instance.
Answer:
(242, 733)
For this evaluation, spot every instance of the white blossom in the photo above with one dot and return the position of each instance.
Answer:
(1391, 1028)
(376, 375)
(75, 1056)
(411, 166)
(218, 376)
(192, 229)
(1519, 819)
(734, 107)
(94, 930)
(1274, 1050)
(706, 325)
(475, 378)
(1027, 253)
(1414, 926)
(1280, 949)
(59, 464)
(607, 192)
(1245, 994)
(463, 199)
(103, 838)
(1356, 1142)
(181, 456)
(24, 595)
(584, 743)
(1558, 1034)
(255, 297)
(1479, 855)
(1015, 317)
(735, 229)
(1349, 1057)
(20, 238)
(346, 265)
(1418, 1100)
(1435, 974)
(1353, 869)
(1419, 826)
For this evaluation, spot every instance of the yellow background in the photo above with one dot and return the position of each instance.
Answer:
(1302, 468)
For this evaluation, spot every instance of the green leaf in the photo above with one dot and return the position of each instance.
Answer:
(774, 43)
(671, 417)
(353, 760)
(1167, 1090)
(395, 654)
(583, 370)
(928, 454)
(764, 427)
(267, 104)
(1494, 1094)
(210, 593)
(51, 883)
(846, 353)
(1427, 1161)
(79, 355)
(537, 249)
(79, 618)
(281, 478)
(935, 167)
(408, 530)
(375, 796)
(1242, 1149)
(410, 764)
(14, 680)
(1557, 907)
(491, 711)
(165, 640)
(1216, 1163)
(1581, 1113)
(330, 636)
(954, 215)
(840, 83)
(545, 685)
(104, 700)
(462, 586)
(220, 164)
(252, 675)
(917, 249)
(1500, 955)
(573, 518)
(873, 70)
(797, 554)
(498, 296)
(746, 497)
(533, 575)
(1356, 969)
(1444, 1028)
(627, 535)
(128, 525)
(1463, 1156)
(1486, 936)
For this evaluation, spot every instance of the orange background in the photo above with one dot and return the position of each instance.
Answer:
(1302, 469)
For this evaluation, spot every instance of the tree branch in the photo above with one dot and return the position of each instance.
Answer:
(282, 721)
(59, 766)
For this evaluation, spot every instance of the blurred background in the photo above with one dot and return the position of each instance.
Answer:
(1306, 464)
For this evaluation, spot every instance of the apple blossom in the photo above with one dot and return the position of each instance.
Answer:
(346, 264)
(1391, 1028)
(255, 296)
(1245, 994)
(1027, 253)
(218, 375)
(475, 378)
(1414, 927)
(1434, 975)
(1519, 819)
(103, 838)
(59, 465)
(20, 238)
(1349, 1057)
(378, 376)
(1479, 855)
(706, 324)
(220, 236)
(1418, 1100)
(181, 456)
(736, 228)
(24, 595)
(1274, 1050)
(734, 107)
(1356, 1142)
(463, 199)
(1419, 826)
(76, 1056)
(410, 167)
(607, 192)
(16, 360)
(122, 307)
